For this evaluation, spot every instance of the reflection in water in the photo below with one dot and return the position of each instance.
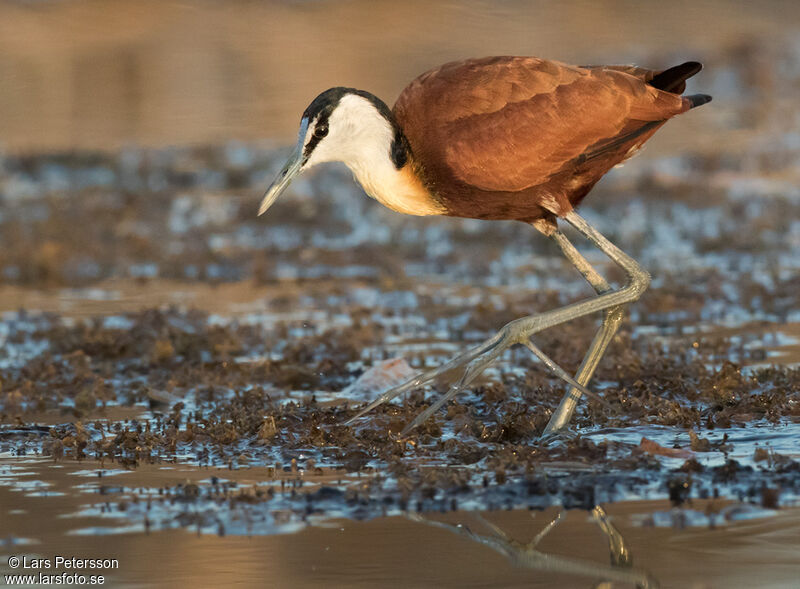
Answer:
(525, 554)
(620, 555)
(330, 549)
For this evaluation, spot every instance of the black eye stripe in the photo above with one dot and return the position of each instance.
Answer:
(323, 105)
(322, 124)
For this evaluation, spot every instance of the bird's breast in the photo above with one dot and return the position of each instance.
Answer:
(400, 190)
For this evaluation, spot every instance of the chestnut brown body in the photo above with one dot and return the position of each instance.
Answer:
(526, 138)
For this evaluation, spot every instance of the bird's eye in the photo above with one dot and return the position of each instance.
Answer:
(321, 130)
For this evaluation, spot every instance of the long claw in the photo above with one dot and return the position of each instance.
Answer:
(559, 372)
(469, 376)
(454, 390)
(417, 381)
(426, 377)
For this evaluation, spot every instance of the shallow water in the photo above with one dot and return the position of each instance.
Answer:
(734, 552)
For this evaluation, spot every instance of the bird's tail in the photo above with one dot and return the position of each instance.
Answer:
(697, 99)
(674, 79)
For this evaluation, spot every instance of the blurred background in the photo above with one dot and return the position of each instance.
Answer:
(156, 126)
(105, 73)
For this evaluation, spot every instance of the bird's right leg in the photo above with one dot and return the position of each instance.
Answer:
(612, 319)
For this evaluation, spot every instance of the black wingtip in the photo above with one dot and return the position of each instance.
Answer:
(692, 67)
(672, 79)
(698, 99)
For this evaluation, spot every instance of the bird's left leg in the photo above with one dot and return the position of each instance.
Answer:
(612, 319)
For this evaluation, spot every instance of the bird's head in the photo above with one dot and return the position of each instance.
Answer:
(346, 125)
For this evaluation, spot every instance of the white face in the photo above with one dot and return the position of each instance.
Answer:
(357, 134)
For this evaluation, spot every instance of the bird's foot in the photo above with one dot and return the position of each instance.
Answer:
(471, 364)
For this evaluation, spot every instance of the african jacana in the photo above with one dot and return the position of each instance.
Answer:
(501, 138)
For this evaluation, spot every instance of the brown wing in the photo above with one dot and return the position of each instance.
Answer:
(509, 123)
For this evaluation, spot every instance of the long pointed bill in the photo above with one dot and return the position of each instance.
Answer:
(284, 178)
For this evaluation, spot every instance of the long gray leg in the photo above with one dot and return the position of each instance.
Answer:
(638, 280)
(595, 280)
(612, 319)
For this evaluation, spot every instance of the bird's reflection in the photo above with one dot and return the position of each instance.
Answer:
(526, 554)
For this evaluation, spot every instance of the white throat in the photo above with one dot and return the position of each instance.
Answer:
(362, 138)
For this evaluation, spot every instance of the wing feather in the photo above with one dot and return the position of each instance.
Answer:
(510, 123)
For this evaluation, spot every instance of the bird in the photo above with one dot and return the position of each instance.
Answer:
(501, 138)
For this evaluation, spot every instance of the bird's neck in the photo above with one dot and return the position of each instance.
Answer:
(401, 189)
(381, 160)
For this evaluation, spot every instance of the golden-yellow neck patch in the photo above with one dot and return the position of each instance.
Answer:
(400, 190)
